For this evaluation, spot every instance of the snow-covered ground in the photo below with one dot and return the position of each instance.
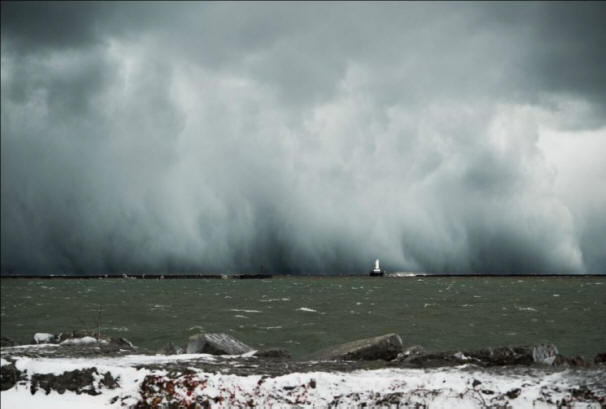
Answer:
(458, 387)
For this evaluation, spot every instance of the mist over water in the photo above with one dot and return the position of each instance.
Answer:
(304, 314)
(214, 138)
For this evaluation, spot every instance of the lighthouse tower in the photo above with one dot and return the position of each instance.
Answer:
(377, 270)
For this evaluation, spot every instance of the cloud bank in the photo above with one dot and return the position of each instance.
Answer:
(307, 138)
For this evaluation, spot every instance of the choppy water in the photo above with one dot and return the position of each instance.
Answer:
(304, 314)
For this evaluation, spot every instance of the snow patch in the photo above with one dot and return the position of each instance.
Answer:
(43, 337)
(459, 387)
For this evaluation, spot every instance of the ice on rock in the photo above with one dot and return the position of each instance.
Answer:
(79, 341)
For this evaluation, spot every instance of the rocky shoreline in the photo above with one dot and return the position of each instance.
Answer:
(80, 363)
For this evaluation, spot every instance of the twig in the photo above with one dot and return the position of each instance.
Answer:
(100, 310)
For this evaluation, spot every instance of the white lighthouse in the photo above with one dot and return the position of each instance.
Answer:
(377, 270)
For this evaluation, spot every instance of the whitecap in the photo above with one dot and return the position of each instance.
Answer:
(242, 310)
(118, 329)
(159, 307)
(306, 309)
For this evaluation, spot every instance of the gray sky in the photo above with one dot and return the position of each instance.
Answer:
(305, 137)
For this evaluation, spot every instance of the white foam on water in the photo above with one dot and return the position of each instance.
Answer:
(159, 307)
(306, 309)
(28, 346)
(526, 308)
(118, 329)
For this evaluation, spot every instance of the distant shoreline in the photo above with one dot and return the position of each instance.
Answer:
(269, 276)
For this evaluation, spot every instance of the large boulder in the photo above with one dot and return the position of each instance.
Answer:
(600, 358)
(516, 355)
(85, 341)
(120, 343)
(78, 381)
(544, 353)
(9, 376)
(62, 336)
(216, 344)
(410, 352)
(385, 347)
(171, 349)
(500, 356)
(276, 353)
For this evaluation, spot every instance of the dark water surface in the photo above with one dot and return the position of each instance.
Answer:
(303, 314)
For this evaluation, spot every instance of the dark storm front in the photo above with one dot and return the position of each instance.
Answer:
(303, 314)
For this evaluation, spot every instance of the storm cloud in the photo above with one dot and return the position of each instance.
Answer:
(304, 137)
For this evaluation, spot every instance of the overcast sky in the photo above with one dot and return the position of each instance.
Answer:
(304, 137)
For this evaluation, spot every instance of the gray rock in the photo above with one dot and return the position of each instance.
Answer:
(9, 375)
(385, 347)
(171, 349)
(544, 353)
(514, 355)
(409, 352)
(7, 342)
(119, 342)
(62, 336)
(277, 353)
(72, 338)
(216, 344)
(78, 381)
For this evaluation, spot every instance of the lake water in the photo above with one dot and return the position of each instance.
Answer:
(303, 314)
